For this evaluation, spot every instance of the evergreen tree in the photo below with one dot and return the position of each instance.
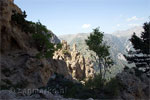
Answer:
(140, 56)
(96, 44)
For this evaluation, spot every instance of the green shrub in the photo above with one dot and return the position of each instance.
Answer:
(19, 19)
(109, 89)
(112, 88)
(66, 52)
(85, 93)
(59, 83)
(58, 46)
(96, 88)
(39, 33)
(41, 38)
(96, 83)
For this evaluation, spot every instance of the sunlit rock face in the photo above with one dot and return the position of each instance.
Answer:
(78, 66)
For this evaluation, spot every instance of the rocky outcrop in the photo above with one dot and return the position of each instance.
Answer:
(54, 38)
(133, 87)
(12, 37)
(19, 66)
(23, 70)
(79, 67)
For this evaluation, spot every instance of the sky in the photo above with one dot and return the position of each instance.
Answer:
(81, 16)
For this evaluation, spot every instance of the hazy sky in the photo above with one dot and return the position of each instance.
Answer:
(76, 16)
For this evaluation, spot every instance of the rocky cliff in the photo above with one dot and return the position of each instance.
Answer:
(19, 66)
(12, 37)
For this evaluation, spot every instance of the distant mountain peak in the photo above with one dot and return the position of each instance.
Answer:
(128, 32)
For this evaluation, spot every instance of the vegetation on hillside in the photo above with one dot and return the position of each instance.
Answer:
(93, 88)
(39, 33)
(97, 87)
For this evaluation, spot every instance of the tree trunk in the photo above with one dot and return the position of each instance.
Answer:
(100, 66)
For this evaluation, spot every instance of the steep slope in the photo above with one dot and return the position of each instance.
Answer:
(19, 66)
(125, 35)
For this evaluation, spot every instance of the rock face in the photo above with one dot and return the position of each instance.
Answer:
(54, 38)
(12, 36)
(19, 66)
(21, 69)
(79, 67)
(133, 87)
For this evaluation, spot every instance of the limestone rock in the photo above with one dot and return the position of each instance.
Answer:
(74, 47)
(78, 66)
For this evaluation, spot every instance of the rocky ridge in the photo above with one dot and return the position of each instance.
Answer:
(79, 67)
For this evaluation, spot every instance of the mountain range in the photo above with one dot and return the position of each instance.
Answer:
(118, 41)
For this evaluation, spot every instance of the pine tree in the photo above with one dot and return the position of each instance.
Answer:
(96, 44)
(140, 56)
